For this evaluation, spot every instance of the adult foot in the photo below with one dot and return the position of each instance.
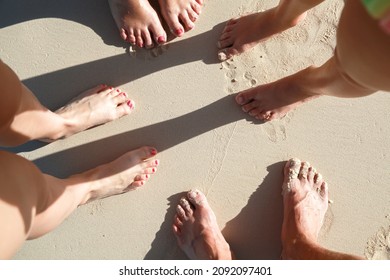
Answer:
(305, 199)
(274, 100)
(196, 229)
(138, 22)
(94, 107)
(180, 15)
(126, 173)
(243, 33)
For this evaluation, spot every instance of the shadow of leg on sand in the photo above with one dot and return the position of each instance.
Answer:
(253, 234)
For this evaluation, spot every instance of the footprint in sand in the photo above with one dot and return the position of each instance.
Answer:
(378, 246)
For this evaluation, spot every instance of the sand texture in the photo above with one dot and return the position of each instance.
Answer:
(185, 108)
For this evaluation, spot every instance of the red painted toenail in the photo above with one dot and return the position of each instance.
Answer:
(130, 104)
(124, 94)
(153, 170)
(153, 152)
(110, 88)
(179, 31)
(161, 39)
(156, 162)
(118, 90)
(147, 176)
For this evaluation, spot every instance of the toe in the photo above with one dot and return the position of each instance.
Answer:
(185, 204)
(144, 153)
(142, 177)
(197, 7)
(303, 172)
(197, 198)
(121, 97)
(250, 106)
(187, 22)
(146, 38)
(177, 221)
(227, 53)
(245, 97)
(324, 191)
(226, 42)
(124, 109)
(318, 179)
(181, 213)
(291, 169)
(123, 34)
(310, 175)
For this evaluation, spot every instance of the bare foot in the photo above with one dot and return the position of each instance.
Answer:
(138, 22)
(180, 15)
(243, 33)
(126, 173)
(196, 229)
(274, 100)
(305, 199)
(93, 107)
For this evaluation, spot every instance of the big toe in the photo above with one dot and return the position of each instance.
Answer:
(197, 198)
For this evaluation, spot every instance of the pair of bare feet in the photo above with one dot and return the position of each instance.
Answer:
(305, 199)
(270, 101)
(139, 24)
(97, 106)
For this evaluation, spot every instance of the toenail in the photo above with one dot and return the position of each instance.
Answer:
(153, 152)
(110, 87)
(124, 94)
(240, 100)
(179, 31)
(118, 90)
(153, 170)
(147, 176)
(161, 39)
(130, 104)
(156, 162)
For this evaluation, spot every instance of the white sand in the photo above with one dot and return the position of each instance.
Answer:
(185, 108)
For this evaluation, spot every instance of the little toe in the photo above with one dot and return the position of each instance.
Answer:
(124, 109)
(324, 191)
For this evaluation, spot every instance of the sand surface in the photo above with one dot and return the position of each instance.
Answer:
(185, 108)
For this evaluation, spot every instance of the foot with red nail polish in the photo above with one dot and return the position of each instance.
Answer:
(180, 15)
(124, 174)
(138, 22)
(93, 107)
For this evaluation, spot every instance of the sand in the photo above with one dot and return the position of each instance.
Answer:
(185, 108)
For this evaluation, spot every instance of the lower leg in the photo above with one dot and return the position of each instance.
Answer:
(34, 204)
(24, 118)
(305, 199)
(275, 100)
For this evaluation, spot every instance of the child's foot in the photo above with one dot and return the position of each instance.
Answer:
(138, 22)
(180, 15)
(243, 33)
(94, 107)
(271, 101)
(305, 199)
(196, 229)
(126, 173)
